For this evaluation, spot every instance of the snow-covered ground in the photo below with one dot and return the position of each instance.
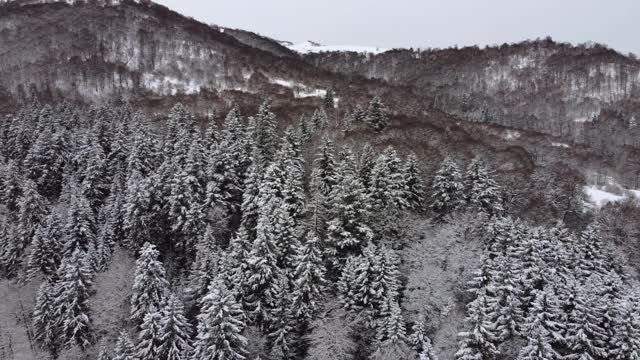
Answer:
(598, 196)
(313, 47)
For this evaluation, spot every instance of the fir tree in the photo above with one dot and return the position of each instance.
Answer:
(149, 337)
(150, 285)
(125, 349)
(33, 210)
(45, 323)
(376, 115)
(625, 342)
(329, 100)
(413, 184)
(104, 353)
(220, 326)
(325, 172)
(175, 331)
(538, 348)
(80, 228)
(447, 190)
(479, 342)
(205, 267)
(137, 214)
(387, 182)
(309, 280)
(72, 300)
(46, 248)
(481, 190)
(266, 139)
(421, 342)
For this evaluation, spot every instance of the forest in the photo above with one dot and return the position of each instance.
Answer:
(235, 238)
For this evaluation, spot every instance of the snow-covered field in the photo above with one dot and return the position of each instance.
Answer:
(598, 196)
(312, 47)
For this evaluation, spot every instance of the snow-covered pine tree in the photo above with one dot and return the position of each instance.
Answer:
(376, 116)
(592, 258)
(12, 181)
(325, 173)
(584, 335)
(149, 337)
(319, 119)
(45, 323)
(104, 353)
(180, 132)
(414, 183)
(136, 211)
(309, 280)
(10, 250)
(481, 190)
(46, 248)
(95, 182)
(72, 299)
(366, 163)
(329, 100)
(33, 210)
(538, 347)
(348, 213)
(545, 315)
(625, 342)
(125, 349)
(175, 331)
(447, 189)
(388, 187)
(220, 326)
(421, 342)
(280, 332)
(150, 285)
(204, 268)
(80, 227)
(479, 342)
(186, 201)
(266, 138)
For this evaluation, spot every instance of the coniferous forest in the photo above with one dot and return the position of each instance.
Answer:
(234, 238)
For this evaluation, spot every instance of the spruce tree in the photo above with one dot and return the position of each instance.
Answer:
(479, 342)
(325, 171)
(538, 348)
(205, 267)
(80, 227)
(125, 349)
(447, 190)
(481, 191)
(45, 323)
(625, 342)
(421, 342)
(388, 187)
(150, 285)
(46, 248)
(72, 299)
(376, 116)
(220, 326)
(175, 331)
(413, 184)
(33, 209)
(309, 280)
(149, 337)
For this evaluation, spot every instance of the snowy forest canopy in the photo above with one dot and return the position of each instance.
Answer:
(255, 242)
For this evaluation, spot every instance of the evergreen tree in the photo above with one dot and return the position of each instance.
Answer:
(80, 227)
(447, 190)
(95, 181)
(125, 349)
(421, 342)
(413, 184)
(205, 267)
(481, 190)
(72, 300)
(545, 316)
(625, 342)
(388, 188)
(175, 331)
(367, 162)
(45, 323)
(479, 342)
(329, 100)
(149, 337)
(33, 210)
(10, 251)
(137, 211)
(12, 181)
(325, 172)
(46, 248)
(376, 115)
(220, 326)
(538, 348)
(150, 285)
(266, 139)
(104, 353)
(348, 217)
(309, 280)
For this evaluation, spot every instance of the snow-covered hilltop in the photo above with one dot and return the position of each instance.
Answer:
(72, 2)
(309, 46)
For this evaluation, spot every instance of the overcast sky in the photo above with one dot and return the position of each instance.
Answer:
(426, 23)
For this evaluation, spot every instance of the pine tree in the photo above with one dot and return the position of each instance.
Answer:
(413, 184)
(10, 251)
(319, 119)
(46, 248)
(281, 328)
(266, 139)
(545, 315)
(376, 115)
(137, 214)
(447, 190)
(348, 217)
(45, 324)
(421, 342)
(388, 188)
(80, 228)
(329, 100)
(72, 300)
(479, 342)
(538, 348)
(625, 342)
(104, 353)
(125, 349)
(175, 331)
(325, 172)
(309, 280)
(95, 181)
(366, 163)
(205, 267)
(584, 335)
(220, 326)
(33, 210)
(149, 337)
(481, 191)
(12, 181)
(150, 285)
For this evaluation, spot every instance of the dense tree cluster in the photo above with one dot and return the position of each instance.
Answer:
(253, 241)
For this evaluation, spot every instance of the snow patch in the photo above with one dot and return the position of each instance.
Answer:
(511, 135)
(598, 196)
(563, 145)
(308, 47)
(299, 90)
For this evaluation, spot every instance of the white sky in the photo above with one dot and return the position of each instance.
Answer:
(426, 23)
